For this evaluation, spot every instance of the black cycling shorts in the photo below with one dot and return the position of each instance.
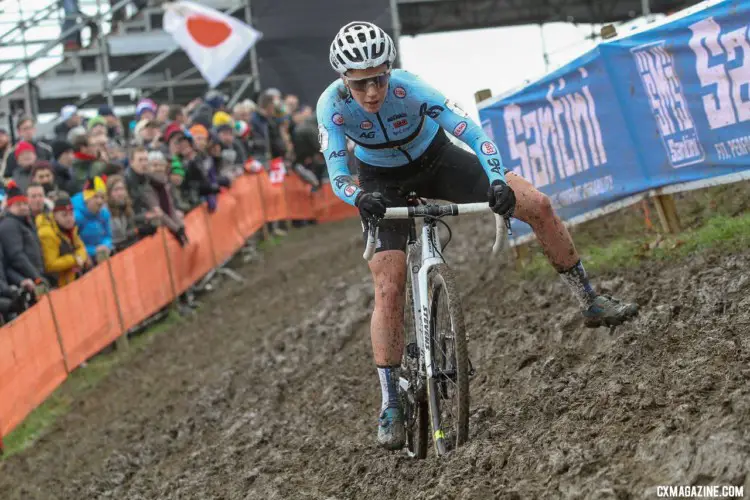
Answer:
(443, 172)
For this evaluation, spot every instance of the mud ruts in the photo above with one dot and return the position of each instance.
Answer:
(272, 392)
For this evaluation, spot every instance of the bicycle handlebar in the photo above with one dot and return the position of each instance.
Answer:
(436, 211)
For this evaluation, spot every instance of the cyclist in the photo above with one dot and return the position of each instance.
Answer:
(398, 124)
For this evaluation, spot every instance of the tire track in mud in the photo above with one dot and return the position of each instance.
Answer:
(272, 392)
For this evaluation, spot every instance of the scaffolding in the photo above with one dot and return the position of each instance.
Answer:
(115, 55)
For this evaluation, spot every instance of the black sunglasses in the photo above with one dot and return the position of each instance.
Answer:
(361, 84)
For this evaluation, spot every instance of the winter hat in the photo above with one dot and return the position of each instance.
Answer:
(75, 132)
(177, 169)
(22, 147)
(156, 156)
(221, 118)
(93, 186)
(97, 120)
(242, 129)
(14, 194)
(198, 130)
(145, 105)
(68, 112)
(172, 129)
(60, 147)
(215, 99)
(105, 110)
(63, 204)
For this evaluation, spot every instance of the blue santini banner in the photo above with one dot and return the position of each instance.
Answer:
(665, 105)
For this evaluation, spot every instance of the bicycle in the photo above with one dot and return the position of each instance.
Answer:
(435, 361)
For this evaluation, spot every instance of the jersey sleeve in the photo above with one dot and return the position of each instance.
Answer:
(333, 146)
(458, 123)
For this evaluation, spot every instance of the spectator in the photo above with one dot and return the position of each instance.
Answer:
(162, 114)
(145, 110)
(177, 114)
(69, 119)
(93, 218)
(6, 149)
(204, 112)
(24, 265)
(233, 152)
(136, 179)
(163, 199)
(63, 250)
(12, 299)
(71, 10)
(76, 132)
(25, 156)
(85, 162)
(62, 165)
(176, 180)
(268, 140)
(200, 137)
(243, 111)
(97, 126)
(44, 175)
(114, 127)
(37, 202)
(26, 132)
(307, 147)
(195, 186)
(126, 227)
(147, 134)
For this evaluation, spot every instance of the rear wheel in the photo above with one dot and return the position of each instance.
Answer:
(448, 390)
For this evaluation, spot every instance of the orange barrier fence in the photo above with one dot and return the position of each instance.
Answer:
(70, 325)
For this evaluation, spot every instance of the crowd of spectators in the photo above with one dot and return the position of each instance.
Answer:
(98, 185)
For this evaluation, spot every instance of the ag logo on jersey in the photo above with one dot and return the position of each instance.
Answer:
(323, 138)
(432, 111)
(367, 135)
(488, 148)
(365, 125)
(460, 129)
(454, 107)
(399, 92)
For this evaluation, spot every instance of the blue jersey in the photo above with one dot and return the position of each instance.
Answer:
(409, 119)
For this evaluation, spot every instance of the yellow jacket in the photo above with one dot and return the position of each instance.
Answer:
(58, 250)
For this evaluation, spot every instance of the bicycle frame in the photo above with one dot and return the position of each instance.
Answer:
(429, 257)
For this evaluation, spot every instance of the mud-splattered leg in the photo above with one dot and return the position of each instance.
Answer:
(386, 329)
(534, 208)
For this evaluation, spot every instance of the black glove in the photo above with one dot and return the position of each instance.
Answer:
(371, 205)
(181, 237)
(146, 230)
(502, 199)
(208, 189)
(224, 181)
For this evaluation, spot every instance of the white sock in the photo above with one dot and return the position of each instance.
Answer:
(389, 386)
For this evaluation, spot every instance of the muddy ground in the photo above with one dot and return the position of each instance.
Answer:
(271, 392)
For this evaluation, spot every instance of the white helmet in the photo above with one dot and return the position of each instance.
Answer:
(361, 45)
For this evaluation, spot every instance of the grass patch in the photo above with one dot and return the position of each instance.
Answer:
(720, 232)
(75, 387)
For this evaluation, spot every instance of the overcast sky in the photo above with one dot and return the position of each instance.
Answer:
(457, 63)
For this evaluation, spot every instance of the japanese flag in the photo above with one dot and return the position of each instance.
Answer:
(214, 41)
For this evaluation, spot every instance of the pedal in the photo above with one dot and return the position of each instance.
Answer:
(412, 350)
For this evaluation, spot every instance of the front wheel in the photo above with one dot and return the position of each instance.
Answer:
(448, 389)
